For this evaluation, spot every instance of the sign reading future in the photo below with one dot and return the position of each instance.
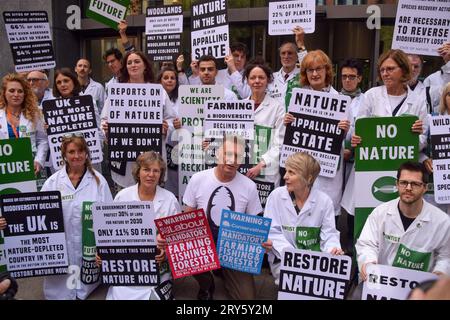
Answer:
(108, 12)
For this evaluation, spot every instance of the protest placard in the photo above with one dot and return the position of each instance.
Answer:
(440, 151)
(108, 12)
(209, 29)
(310, 275)
(125, 236)
(190, 245)
(30, 40)
(90, 273)
(315, 128)
(284, 16)
(239, 244)
(71, 117)
(421, 26)
(35, 242)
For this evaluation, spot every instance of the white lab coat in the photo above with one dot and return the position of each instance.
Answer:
(277, 88)
(376, 103)
(383, 233)
(55, 287)
(96, 90)
(317, 212)
(438, 78)
(35, 131)
(234, 80)
(270, 114)
(165, 204)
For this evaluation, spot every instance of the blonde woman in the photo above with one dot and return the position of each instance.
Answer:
(302, 215)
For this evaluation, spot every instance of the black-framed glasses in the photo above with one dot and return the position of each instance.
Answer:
(349, 77)
(414, 184)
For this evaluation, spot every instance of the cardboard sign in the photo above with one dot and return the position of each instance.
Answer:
(66, 116)
(391, 283)
(190, 245)
(163, 27)
(309, 275)
(209, 29)
(125, 235)
(315, 129)
(30, 40)
(239, 242)
(35, 242)
(421, 26)
(440, 150)
(108, 12)
(284, 16)
(387, 142)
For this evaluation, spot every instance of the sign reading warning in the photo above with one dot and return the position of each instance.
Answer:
(421, 26)
(209, 29)
(315, 129)
(309, 275)
(190, 245)
(30, 40)
(35, 242)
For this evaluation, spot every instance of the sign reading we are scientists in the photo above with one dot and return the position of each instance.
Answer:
(310, 275)
(125, 235)
(387, 142)
(35, 242)
(421, 26)
(108, 12)
(286, 15)
(30, 40)
(440, 150)
(209, 29)
(135, 120)
(315, 128)
(190, 245)
(229, 118)
(67, 116)
(392, 283)
(163, 27)
(239, 244)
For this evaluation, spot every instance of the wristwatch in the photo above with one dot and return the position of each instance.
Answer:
(302, 48)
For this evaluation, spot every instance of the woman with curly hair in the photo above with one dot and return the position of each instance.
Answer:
(20, 117)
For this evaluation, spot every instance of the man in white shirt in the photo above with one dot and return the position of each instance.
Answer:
(223, 187)
(407, 232)
(207, 71)
(88, 85)
(38, 80)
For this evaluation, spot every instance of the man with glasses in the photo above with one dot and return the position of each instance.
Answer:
(407, 232)
(38, 80)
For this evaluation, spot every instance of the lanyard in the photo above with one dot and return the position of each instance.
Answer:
(8, 115)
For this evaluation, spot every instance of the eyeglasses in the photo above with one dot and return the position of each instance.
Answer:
(35, 79)
(348, 77)
(414, 184)
(388, 69)
(70, 135)
(318, 69)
